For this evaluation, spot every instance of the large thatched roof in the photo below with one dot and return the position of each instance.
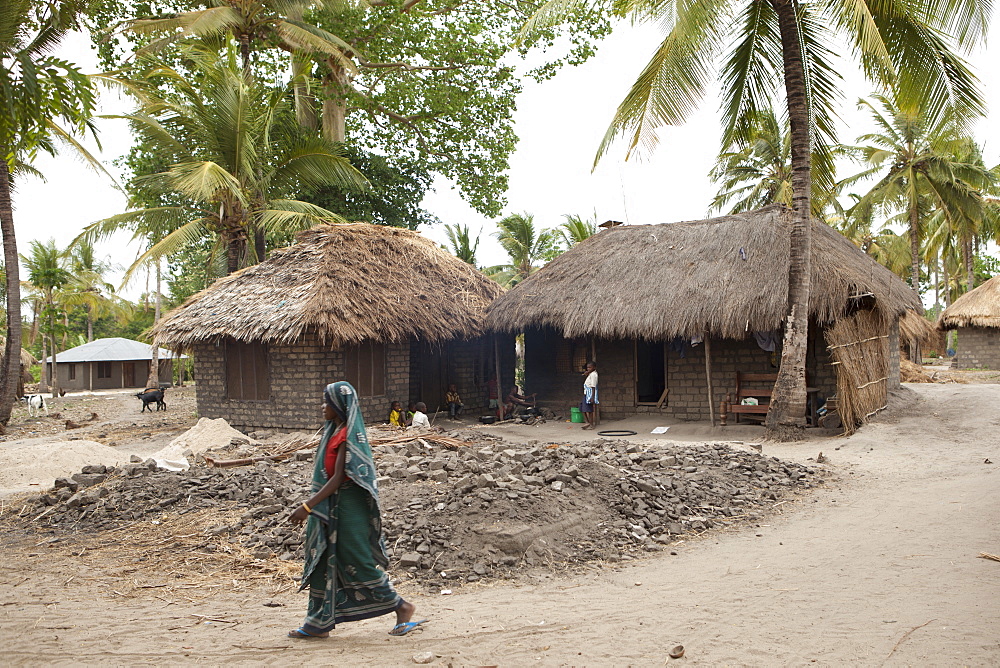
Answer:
(914, 328)
(976, 308)
(347, 282)
(725, 276)
(27, 359)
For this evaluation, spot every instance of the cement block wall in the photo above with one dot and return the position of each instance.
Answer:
(300, 371)
(978, 348)
(85, 369)
(550, 371)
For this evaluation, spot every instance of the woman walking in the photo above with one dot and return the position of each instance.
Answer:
(343, 546)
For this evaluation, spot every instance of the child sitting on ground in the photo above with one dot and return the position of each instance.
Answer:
(420, 420)
(455, 404)
(396, 417)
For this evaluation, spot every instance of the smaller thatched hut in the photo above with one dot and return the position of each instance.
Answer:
(976, 316)
(382, 307)
(27, 360)
(673, 311)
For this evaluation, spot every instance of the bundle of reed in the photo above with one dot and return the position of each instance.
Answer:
(283, 450)
(288, 448)
(859, 346)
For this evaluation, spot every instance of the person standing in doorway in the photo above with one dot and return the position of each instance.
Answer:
(589, 404)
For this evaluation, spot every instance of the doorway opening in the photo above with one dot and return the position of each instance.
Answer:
(650, 372)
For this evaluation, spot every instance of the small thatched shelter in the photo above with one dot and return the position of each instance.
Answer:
(643, 298)
(976, 316)
(27, 360)
(383, 307)
(110, 363)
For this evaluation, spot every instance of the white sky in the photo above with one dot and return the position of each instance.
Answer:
(559, 122)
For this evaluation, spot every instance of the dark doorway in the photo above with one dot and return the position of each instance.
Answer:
(128, 374)
(650, 371)
(428, 375)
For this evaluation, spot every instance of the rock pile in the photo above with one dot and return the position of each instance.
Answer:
(455, 516)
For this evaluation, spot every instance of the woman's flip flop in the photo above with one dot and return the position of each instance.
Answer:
(302, 634)
(405, 627)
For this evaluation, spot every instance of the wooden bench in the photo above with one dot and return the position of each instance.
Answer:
(756, 385)
(760, 386)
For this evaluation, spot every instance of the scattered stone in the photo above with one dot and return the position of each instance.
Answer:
(424, 657)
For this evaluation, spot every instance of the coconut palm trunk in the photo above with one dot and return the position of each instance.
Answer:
(786, 418)
(154, 363)
(12, 348)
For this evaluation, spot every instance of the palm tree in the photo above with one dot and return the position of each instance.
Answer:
(762, 46)
(46, 266)
(89, 290)
(42, 98)
(461, 244)
(236, 153)
(575, 229)
(524, 244)
(917, 159)
(758, 172)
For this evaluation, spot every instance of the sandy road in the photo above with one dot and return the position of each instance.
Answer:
(880, 568)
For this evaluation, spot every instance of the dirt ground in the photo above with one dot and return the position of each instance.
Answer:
(880, 568)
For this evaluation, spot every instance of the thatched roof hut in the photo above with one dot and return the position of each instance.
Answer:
(976, 316)
(723, 276)
(915, 328)
(663, 304)
(976, 308)
(348, 283)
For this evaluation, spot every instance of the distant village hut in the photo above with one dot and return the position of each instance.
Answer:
(381, 307)
(27, 361)
(105, 364)
(672, 312)
(976, 316)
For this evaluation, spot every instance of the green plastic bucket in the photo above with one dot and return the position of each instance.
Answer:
(575, 415)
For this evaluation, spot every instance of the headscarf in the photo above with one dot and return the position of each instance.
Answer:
(359, 467)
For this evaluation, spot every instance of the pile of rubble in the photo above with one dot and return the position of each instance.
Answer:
(454, 515)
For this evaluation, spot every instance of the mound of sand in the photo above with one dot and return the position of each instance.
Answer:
(30, 467)
(205, 435)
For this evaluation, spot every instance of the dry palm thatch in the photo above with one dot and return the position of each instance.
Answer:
(859, 346)
(724, 276)
(27, 359)
(349, 283)
(977, 308)
(915, 328)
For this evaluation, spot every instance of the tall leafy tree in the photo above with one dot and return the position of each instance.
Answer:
(43, 99)
(430, 81)
(774, 49)
(236, 157)
(923, 165)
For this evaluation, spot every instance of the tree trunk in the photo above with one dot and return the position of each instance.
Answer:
(915, 249)
(90, 325)
(260, 245)
(305, 110)
(154, 363)
(970, 274)
(786, 417)
(54, 382)
(12, 348)
(334, 117)
(245, 54)
(43, 380)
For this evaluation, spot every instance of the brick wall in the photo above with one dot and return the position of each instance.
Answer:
(978, 347)
(300, 371)
(83, 375)
(550, 371)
